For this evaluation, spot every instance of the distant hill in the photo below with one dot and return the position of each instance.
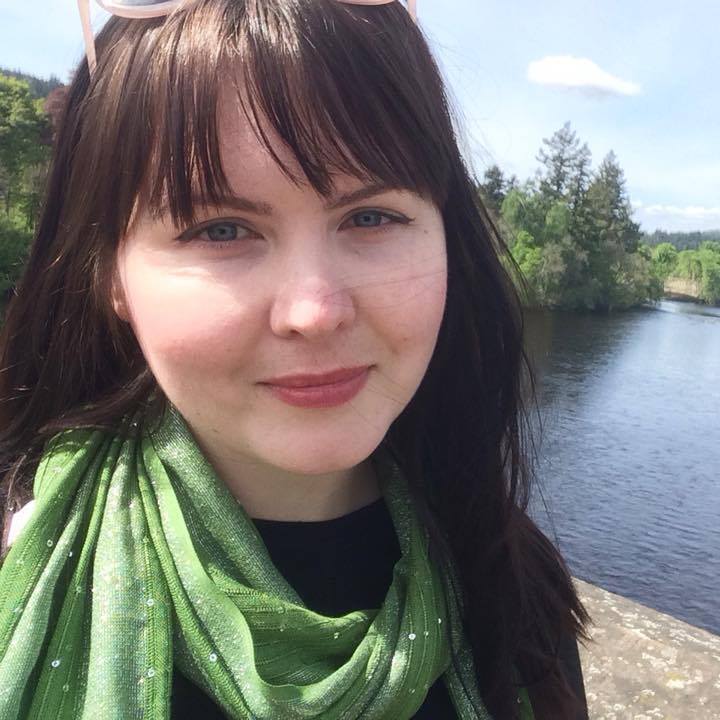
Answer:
(39, 87)
(681, 240)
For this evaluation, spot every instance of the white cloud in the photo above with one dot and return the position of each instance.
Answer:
(690, 211)
(580, 74)
(676, 218)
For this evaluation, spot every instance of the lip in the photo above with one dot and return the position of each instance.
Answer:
(319, 390)
(317, 379)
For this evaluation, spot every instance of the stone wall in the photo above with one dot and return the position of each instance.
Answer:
(645, 665)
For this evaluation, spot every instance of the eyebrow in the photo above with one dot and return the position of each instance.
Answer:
(243, 204)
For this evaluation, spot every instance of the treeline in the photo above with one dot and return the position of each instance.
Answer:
(26, 133)
(39, 87)
(570, 230)
(682, 240)
(701, 265)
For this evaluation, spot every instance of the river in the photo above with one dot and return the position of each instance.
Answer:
(629, 458)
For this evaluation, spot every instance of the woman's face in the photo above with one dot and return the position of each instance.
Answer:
(282, 282)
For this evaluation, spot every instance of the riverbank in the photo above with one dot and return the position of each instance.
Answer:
(682, 289)
(645, 665)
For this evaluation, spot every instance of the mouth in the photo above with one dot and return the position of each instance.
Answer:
(323, 390)
(331, 377)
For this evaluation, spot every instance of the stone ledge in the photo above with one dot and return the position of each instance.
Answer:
(645, 665)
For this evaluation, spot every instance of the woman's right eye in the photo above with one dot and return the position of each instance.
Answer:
(217, 233)
(222, 232)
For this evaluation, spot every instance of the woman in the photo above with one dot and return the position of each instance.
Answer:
(263, 378)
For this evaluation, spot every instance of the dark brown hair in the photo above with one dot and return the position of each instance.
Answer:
(350, 89)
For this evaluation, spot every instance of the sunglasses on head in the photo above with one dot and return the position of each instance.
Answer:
(144, 9)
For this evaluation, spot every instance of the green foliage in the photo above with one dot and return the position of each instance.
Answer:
(702, 266)
(24, 133)
(521, 210)
(39, 87)
(688, 265)
(495, 187)
(709, 256)
(610, 206)
(564, 166)
(572, 232)
(15, 240)
(664, 258)
(24, 154)
(682, 240)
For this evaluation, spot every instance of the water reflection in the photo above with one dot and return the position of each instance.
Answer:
(630, 453)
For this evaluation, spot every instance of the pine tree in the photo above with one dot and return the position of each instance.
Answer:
(565, 166)
(494, 188)
(610, 205)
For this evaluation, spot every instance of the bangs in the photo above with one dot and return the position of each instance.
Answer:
(331, 80)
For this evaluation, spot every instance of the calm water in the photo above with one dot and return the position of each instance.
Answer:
(630, 455)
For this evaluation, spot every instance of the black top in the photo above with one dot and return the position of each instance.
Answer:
(336, 566)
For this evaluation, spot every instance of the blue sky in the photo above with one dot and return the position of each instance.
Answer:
(637, 77)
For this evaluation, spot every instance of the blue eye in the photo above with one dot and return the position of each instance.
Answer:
(369, 218)
(217, 233)
(222, 232)
(376, 218)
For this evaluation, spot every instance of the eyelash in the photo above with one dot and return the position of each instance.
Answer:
(189, 236)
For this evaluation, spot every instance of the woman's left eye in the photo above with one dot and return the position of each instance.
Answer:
(375, 218)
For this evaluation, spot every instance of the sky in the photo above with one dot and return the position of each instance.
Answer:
(636, 77)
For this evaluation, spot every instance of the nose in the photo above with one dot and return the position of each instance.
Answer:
(312, 302)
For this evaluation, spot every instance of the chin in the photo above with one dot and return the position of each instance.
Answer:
(322, 458)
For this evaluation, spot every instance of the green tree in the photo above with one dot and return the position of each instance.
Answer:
(24, 133)
(610, 237)
(562, 275)
(577, 194)
(572, 233)
(565, 165)
(14, 243)
(522, 210)
(493, 187)
(664, 259)
(610, 205)
(688, 265)
(709, 256)
(39, 87)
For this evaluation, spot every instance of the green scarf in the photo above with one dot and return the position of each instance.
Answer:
(138, 558)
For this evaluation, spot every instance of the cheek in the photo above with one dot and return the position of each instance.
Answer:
(410, 306)
(186, 320)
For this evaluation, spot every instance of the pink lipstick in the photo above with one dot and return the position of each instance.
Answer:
(319, 390)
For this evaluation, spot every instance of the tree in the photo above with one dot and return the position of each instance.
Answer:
(664, 259)
(493, 187)
(610, 204)
(521, 210)
(565, 165)
(39, 88)
(572, 235)
(709, 256)
(23, 136)
(688, 265)
(14, 243)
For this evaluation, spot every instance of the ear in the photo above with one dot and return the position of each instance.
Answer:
(117, 297)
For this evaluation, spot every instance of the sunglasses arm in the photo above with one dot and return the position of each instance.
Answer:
(84, 7)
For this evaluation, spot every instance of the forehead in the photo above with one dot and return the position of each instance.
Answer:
(253, 155)
(240, 136)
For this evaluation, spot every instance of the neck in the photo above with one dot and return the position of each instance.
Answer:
(270, 493)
